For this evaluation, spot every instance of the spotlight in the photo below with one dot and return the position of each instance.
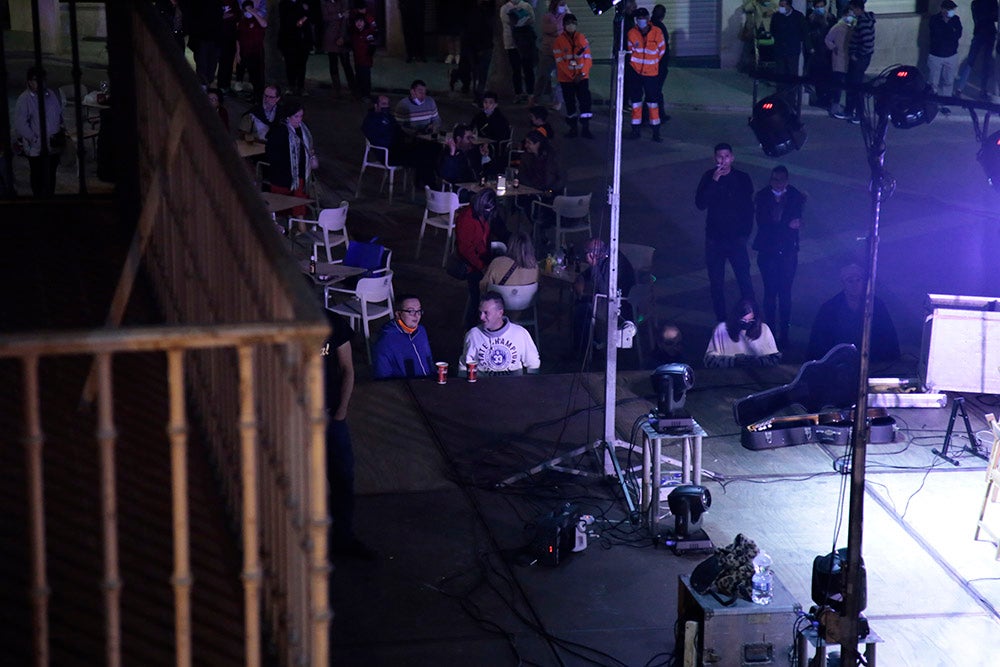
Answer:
(902, 94)
(671, 383)
(688, 504)
(601, 6)
(777, 127)
(989, 157)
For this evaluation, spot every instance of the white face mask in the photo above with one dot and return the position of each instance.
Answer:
(782, 10)
(561, 9)
(951, 13)
(849, 19)
(777, 193)
(641, 23)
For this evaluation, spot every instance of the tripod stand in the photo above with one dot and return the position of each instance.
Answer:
(958, 407)
(603, 452)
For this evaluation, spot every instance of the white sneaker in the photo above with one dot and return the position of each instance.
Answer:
(237, 86)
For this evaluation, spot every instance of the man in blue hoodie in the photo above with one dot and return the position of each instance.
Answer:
(403, 350)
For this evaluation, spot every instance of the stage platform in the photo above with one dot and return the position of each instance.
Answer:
(453, 584)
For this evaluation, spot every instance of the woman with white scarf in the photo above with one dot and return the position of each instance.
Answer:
(291, 154)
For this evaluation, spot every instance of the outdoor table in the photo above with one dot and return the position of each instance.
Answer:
(276, 202)
(330, 273)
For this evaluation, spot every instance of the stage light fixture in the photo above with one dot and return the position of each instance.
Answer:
(688, 504)
(903, 94)
(671, 383)
(989, 157)
(777, 127)
(601, 6)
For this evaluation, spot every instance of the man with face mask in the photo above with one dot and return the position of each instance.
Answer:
(838, 41)
(860, 55)
(491, 122)
(942, 53)
(778, 209)
(647, 45)
(572, 55)
(788, 27)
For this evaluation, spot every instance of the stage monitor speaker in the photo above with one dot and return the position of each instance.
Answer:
(961, 347)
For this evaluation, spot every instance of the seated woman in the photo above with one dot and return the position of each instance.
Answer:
(742, 340)
(472, 244)
(540, 165)
(518, 267)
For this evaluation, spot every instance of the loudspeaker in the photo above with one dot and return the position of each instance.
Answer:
(961, 351)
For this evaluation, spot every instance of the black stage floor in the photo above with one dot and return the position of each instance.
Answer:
(453, 582)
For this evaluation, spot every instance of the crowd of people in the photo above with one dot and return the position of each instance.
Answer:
(835, 42)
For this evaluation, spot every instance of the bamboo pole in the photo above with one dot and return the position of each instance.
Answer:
(34, 442)
(106, 439)
(251, 551)
(319, 519)
(182, 580)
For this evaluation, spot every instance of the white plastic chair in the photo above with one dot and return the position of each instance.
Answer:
(572, 215)
(640, 257)
(377, 157)
(518, 300)
(440, 213)
(328, 232)
(372, 300)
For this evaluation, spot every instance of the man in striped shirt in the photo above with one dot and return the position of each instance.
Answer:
(418, 113)
(647, 44)
(861, 50)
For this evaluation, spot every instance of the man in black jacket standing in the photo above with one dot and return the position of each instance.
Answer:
(727, 194)
(984, 36)
(779, 217)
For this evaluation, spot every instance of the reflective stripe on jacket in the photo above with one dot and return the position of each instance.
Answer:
(572, 54)
(646, 50)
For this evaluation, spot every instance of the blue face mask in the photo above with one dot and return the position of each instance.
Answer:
(951, 13)
(819, 10)
(641, 23)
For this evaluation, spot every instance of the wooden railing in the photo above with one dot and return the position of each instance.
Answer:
(242, 338)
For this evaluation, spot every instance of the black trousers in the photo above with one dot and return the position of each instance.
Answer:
(413, 14)
(253, 65)
(344, 60)
(577, 91)
(206, 59)
(521, 71)
(227, 54)
(340, 478)
(37, 168)
(777, 271)
(295, 67)
(717, 253)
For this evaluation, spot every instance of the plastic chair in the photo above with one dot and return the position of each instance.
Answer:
(328, 232)
(350, 285)
(992, 485)
(377, 157)
(641, 259)
(440, 213)
(372, 300)
(572, 215)
(517, 300)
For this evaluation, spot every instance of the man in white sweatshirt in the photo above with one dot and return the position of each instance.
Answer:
(497, 345)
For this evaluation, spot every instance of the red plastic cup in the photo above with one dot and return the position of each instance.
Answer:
(442, 367)
(472, 371)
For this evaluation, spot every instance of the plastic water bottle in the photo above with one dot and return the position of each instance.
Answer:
(763, 579)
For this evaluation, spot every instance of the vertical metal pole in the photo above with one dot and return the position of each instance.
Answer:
(34, 442)
(106, 437)
(614, 298)
(181, 580)
(251, 551)
(43, 130)
(81, 151)
(859, 433)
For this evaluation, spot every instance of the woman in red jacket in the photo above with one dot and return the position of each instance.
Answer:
(472, 242)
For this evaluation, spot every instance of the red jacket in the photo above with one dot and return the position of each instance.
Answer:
(472, 239)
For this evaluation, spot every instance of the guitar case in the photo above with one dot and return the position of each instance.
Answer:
(827, 383)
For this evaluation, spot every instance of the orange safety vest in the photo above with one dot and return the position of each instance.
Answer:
(572, 54)
(646, 50)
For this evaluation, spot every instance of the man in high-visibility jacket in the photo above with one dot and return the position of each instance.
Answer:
(647, 44)
(572, 54)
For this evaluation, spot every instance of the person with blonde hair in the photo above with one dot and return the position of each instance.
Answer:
(518, 267)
